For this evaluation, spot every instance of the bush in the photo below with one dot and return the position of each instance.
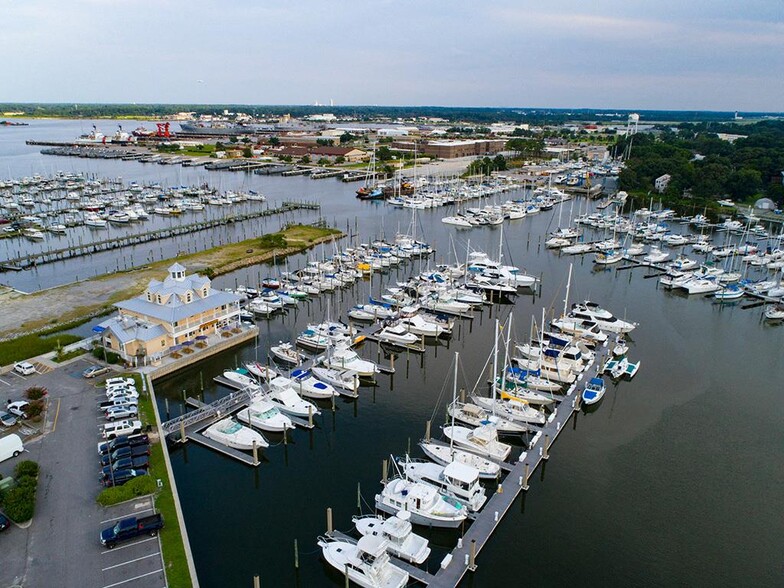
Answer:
(26, 468)
(273, 241)
(141, 486)
(35, 392)
(19, 503)
(34, 409)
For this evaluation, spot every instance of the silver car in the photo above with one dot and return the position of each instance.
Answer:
(7, 419)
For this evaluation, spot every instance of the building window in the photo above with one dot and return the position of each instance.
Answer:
(176, 323)
(149, 296)
(163, 342)
(158, 299)
(188, 298)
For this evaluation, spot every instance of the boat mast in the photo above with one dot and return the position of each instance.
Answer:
(454, 408)
(495, 365)
(568, 285)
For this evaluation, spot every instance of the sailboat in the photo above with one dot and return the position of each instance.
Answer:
(371, 190)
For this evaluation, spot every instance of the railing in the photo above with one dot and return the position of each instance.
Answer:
(224, 404)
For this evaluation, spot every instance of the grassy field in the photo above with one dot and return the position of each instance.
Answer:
(28, 346)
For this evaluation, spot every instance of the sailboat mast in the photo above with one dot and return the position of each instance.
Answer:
(568, 285)
(495, 364)
(454, 404)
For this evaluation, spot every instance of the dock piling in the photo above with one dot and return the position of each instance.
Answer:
(256, 452)
(546, 454)
(296, 555)
(427, 431)
(384, 467)
(329, 519)
(472, 556)
(256, 581)
(524, 477)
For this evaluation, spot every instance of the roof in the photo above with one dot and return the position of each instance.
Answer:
(461, 472)
(131, 330)
(176, 310)
(176, 268)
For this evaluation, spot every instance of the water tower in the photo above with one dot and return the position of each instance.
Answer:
(631, 130)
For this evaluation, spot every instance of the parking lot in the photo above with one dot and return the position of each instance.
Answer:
(61, 547)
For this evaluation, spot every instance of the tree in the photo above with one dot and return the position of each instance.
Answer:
(346, 138)
(340, 159)
(247, 152)
(219, 146)
(233, 139)
(305, 159)
(384, 153)
(499, 162)
(246, 140)
(323, 161)
(274, 141)
(323, 142)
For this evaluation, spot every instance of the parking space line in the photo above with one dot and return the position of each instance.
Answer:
(158, 571)
(116, 549)
(125, 515)
(4, 382)
(125, 563)
(56, 414)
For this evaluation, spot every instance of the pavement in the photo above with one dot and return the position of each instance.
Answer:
(61, 546)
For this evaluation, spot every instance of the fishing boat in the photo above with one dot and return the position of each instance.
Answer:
(308, 386)
(427, 506)
(594, 390)
(366, 562)
(402, 542)
(457, 480)
(482, 440)
(286, 353)
(264, 415)
(230, 432)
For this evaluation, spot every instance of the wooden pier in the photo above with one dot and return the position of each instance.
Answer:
(55, 255)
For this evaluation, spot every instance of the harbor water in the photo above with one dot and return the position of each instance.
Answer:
(674, 478)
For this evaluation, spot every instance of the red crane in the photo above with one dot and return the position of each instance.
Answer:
(163, 130)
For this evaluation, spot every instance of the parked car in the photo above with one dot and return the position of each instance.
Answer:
(120, 412)
(127, 392)
(18, 408)
(117, 401)
(126, 463)
(122, 441)
(123, 452)
(131, 527)
(120, 381)
(120, 477)
(126, 427)
(24, 367)
(7, 419)
(95, 370)
(4, 522)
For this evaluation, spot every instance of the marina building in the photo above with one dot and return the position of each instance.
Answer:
(178, 311)
(450, 149)
(662, 182)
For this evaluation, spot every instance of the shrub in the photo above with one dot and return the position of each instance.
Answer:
(273, 241)
(19, 503)
(34, 409)
(112, 358)
(26, 468)
(141, 486)
(35, 392)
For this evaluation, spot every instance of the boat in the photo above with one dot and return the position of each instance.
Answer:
(475, 416)
(457, 480)
(608, 257)
(366, 562)
(617, 368)
(444, 454)
(620, 348)
(261, 371)
(243, 380)
(594, 390)
(345, 382)
(731, 292)
(264, 415)
(456, 221)
(94, 221)
(604, 319)
(482, 440)
(427, 506)
(343, 357)
(33, 234)
(230, 432)
(656, 255)
(402, 542)
(512, 408)
(308, 386)
(282, 393)
(397, 335)
(774, 312)
(286, 353)
(418, 325)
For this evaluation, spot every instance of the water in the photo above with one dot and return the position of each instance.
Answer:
(674, 479)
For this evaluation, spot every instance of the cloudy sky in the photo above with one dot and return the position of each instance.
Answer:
(663, 54)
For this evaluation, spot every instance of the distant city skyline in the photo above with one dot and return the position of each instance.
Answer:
(654, 56)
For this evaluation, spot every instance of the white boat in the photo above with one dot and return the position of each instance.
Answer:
(310, 387)
(402, 542)
(427, 506)
(230, 432)
(512, 408)
(457, 221)
(457, 480)
(445, 455)
(604, 319)
(617, 368)
(264, 415)
(93, 220)
(620, 348)
(343, 357)
(397, 335)
(482, 440)
(261, 371)
(656, 255)
(286, 353)
(346, 382)
(288, 401)
(366, 562)
(593, 391)
(529, 385)
(608, 257)
(242, 380)
(33, 234)
(418, 325)
(475, 416)
(774, 312)
(581, 328)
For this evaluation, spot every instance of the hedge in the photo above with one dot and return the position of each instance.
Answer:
(26, 468)
(19, 501)
(141, 486)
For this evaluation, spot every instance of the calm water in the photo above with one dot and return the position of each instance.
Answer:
(674, 479)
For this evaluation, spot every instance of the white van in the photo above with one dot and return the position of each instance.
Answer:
(10, 446)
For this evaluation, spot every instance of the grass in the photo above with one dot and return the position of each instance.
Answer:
(28, 346)
(175, 560)
(70, 355)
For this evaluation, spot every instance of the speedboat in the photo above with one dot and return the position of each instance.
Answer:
(263, 414)
(656, 255)
(346, 382)
(418, 325)
(617, 368)
(427, 506)
(482, 440)
(288, 401)
(344, 358)
(309, 387)
(286, 353)
(230, 432)
(402, 542)
(443, 454)
(455, 479)
(594, 390)
(397, 335)
(366, 562)
(243, 380)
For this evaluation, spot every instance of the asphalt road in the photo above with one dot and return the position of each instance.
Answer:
(61, 547)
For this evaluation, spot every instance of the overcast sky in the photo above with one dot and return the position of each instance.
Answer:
(662, 54)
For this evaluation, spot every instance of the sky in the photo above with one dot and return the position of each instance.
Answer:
(631, 54)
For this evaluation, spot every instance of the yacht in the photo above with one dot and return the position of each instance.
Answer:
(230, 432)
(604, 319)
(512, 408)
(398, 531)
(455, 479)
(482, 440)
(286, 353)
(443, 454)
(366, 562)
(344, 358)
(397, 335)
(288, 401)
(346, 382)
(264, 415)
(427, 506)
(310, 387)
(475, 416)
